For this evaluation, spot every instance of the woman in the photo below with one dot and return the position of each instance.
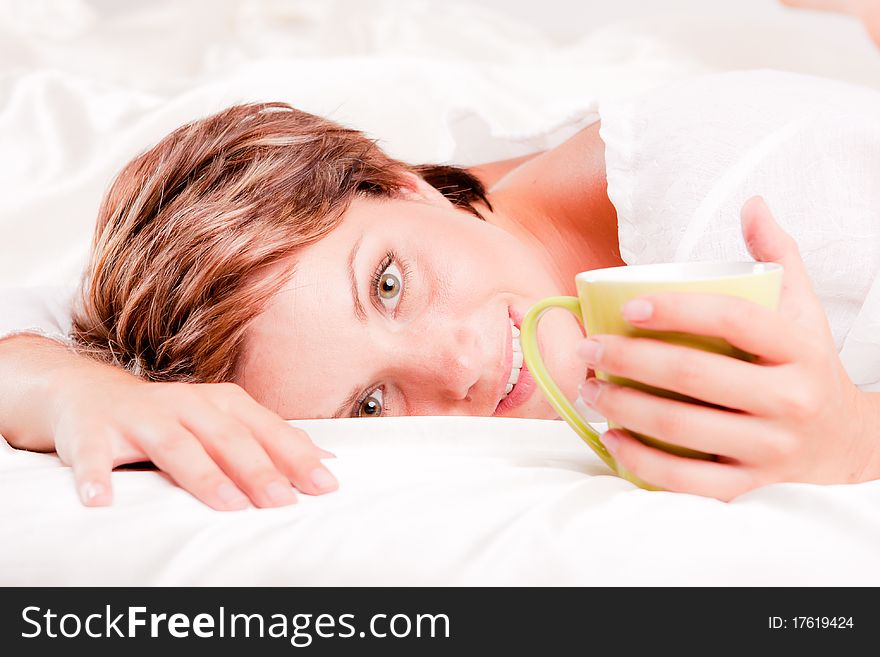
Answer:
(291, 259)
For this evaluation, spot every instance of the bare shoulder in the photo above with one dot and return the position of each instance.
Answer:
(566, 185)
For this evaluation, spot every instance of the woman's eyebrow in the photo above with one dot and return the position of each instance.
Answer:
(359, 311)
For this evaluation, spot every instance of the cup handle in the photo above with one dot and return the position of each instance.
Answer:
(532, 354)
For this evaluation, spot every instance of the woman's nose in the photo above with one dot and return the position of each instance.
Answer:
(448, 364)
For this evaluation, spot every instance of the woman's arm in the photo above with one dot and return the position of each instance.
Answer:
(29, 364)
(214, 440)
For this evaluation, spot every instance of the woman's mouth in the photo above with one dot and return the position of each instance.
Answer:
(516, 360)
(520, 383)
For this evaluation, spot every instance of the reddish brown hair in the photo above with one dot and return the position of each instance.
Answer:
(187, 227)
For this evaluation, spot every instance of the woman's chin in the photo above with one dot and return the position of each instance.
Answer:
(536, 409)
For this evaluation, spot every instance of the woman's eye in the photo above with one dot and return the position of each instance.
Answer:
(371, 406)
(390, 286)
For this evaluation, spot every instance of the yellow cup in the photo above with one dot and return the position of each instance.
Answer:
(602, 293)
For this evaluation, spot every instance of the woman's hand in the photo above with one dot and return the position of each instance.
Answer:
(213, 440)
(795, 414)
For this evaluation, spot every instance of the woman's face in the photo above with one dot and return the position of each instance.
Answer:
(405, 309)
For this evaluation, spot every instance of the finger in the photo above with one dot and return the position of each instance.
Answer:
(744, 324)
(290, 448)
(768, 242)
(706, 376)
(293, 451)
(701, 428)
(722, 481)
(179, 454)
(235, 449)
(92, 461)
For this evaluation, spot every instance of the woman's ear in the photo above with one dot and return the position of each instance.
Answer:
(415, 188)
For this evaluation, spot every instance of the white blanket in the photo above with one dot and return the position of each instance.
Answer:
(438, 501)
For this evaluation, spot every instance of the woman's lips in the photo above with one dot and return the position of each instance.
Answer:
(521, 392)
(506, 364)
(525, 386)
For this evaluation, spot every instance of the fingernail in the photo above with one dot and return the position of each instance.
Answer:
(590, 391)
(638, 310)
(90, 491)
(323, 480)
(280, 494)
(590, 350)
(232, 497)
(326, 455)
(610, 440)
(588, 413)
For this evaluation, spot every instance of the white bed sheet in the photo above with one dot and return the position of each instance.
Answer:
(84, 86)
(438, 501)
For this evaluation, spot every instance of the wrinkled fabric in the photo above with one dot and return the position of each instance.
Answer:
(438, 501)
(82, 91)
(37, 310)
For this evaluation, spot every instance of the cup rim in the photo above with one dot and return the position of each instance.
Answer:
(675, 271)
